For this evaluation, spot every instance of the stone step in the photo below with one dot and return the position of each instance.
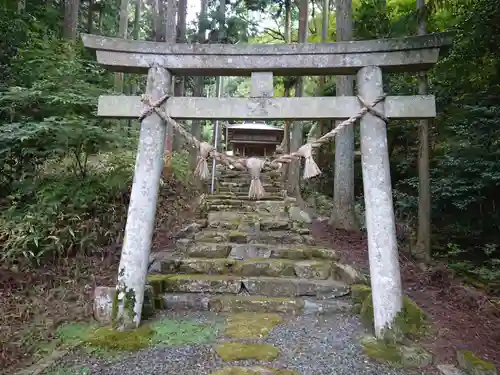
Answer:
(262, 286)
(276, 207)
(228, 303)
(314, 269)
(262, 251)
(239, 203)
(232, 173)
(245, 185)
(277, 237)
(244, 197)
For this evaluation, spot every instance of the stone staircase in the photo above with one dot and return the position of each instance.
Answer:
(249, 256)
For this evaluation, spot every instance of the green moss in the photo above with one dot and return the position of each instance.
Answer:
(168, 332)
(113, 340)
(469, 361)
(411, 322)
(237, 351)
(381, 350)
(396, 354)
(251, 325)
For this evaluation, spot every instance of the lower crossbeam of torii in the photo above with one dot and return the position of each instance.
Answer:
(365, 59)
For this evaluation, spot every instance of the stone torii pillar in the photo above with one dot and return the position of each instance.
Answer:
(380, 225)
(133, 268)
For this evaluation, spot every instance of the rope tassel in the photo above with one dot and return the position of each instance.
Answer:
(311, 169)
(254, 166)
(202, 166)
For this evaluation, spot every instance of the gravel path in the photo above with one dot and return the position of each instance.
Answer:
(309, 345)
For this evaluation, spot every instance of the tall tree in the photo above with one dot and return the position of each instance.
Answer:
(70, 26)
(297, 138)
(423, 246)
(343, 214)
(122, 33)
(200, 81)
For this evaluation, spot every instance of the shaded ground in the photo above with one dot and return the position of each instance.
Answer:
(463, 316)
(34, 301)
(308, 345)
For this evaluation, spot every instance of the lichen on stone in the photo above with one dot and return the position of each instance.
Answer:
(237, 351)
(251, 325)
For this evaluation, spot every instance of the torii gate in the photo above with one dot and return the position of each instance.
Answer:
(367, 59)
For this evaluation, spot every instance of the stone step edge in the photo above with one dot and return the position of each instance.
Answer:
(279, 249)
(317, 269)
(228, 303)
(289, 287)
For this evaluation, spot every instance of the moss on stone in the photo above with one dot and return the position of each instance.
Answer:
(264, 267)
(359, 293)
(381, 350)
(473, 364)
(251, 325)
(113, 340)
(237, 351)
(410, 322)
(396, 354)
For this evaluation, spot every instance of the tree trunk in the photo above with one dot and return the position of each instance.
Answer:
(170, 31)
(90, 17)
(199, 81)
(70, 27)
(179, 86)
(296, 139)
(122, 33)
(422, 249)
(343, 214)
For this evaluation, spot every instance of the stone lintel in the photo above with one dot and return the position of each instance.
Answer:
(262, 85)
(433, 40)
(280, 64)
(313, 108)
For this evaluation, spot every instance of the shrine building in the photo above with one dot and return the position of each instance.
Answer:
(252, 139)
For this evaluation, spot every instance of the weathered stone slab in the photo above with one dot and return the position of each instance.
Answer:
(417, 53)
(312, 269)
(264, 267)
(225, 303)
(205, 266)
(307, 108)
(293, 287)
(195, 283)
(347, 274)
(305, 252)
(249, 251)
(186, 301)
(209, 250)
(282, 238)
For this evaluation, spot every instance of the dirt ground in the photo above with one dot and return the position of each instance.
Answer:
(463, 316)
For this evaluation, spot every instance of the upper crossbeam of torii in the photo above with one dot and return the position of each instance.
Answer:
(365, 59)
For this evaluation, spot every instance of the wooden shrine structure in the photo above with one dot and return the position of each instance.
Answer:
(253, 139)
(367, 59)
